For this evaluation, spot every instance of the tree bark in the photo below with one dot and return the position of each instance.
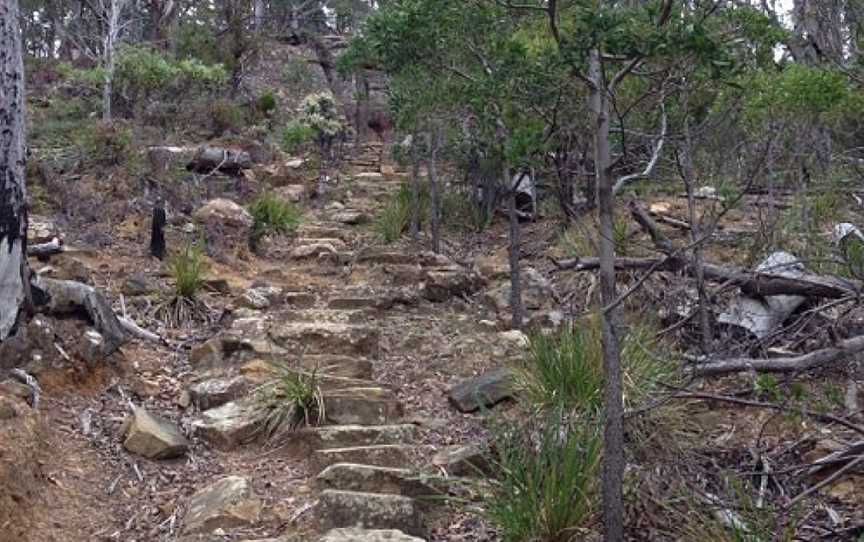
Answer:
(111, 14)
(516, 309)
(613, 435)
(415, 187)
(157, 233)
(14, 274)
(434, 144)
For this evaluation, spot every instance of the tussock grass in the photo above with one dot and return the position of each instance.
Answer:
(187, 268)
(395, 218)
(272, 215)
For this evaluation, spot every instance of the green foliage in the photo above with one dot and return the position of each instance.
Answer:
(767, 385)
(547, 481)
(295, 136)
(298, 75)
(272, 215)
(103, 143)
(143, 71)
(801, 90)
(226, 116)
(187, 268)
(319, 112)
(460, 212)
(565, 370)
(266, 103)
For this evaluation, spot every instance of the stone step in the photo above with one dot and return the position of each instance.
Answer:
(371, 479)
(322, 231)
(369, 510)
(335, 315)
(378, 455)
(335, 365)
(260, 372)
(345, 436)
(327, 338)
(362, 406)
(368, 535)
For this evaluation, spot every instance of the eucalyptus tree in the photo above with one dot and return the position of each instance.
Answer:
(13, 214)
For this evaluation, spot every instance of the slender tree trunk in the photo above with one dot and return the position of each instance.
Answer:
(13, 213)
(415, 187)
(516, 309)
(259, 11)
(434, 144)
(688, 176)
(613, 435)
(112, 17)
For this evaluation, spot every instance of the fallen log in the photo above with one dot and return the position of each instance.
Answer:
(750, 282)
(818, 358)
(211, 159)
(45, 249)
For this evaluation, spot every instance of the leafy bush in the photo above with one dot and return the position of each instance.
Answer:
(295, 136)
(272, 215)
(142, 71)
(548, 481)
(319, 112)
(103, 143)
(266, 103)
(187, 269)
(226, 116)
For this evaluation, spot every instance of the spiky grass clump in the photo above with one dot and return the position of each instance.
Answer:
(187, 268)
(395, 218)
(547, 486)
(272, 215)
(291, 399)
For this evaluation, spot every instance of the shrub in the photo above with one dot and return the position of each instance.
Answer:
(272, 215)
(187, 268)
(547, 484)
(295, 136)
(104, 143)
(226, 116)
(293, 397)
(266, 103)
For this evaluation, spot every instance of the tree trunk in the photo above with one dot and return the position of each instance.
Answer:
(516, 309)
(112, 20)
(434, 144)
(157, 233)
(613, 436)
(258, 14)
(415, 188)
(13, 213)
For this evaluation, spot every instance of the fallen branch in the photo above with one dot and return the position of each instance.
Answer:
(129, 325)
(818, 358)
(45, 249)
(751, 282)
(28, 380)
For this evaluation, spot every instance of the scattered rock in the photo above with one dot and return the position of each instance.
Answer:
(216, 392)
(153, 437)
(40, 229)
(536, 292)
(462, 460)
(90, 347)
(137, 285)
(515, 337)
(231, 424)
(294, 193)
(227, 228)
(350, 217)
(483, 391)
(207, 354)
(442, 284)
(260, 298)
(225, 504)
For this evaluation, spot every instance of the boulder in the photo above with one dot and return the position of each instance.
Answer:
(226, 504)
(368, 535)
(261, 297)
(215, 392)
(294, 193)
(138, 284)
(209, 159)
(371, 478)
(154, 437)
(442, 284)
(483, 391)
(349, 217)
(227, 228)
(231, 424)
(536, 292)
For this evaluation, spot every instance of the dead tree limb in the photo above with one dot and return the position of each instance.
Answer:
(45, 249)
(818, 358)
(750, 282)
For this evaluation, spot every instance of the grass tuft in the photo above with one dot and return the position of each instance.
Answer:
(272, 215)
(187, 269)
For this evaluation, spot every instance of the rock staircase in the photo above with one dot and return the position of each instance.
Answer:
(361, 457)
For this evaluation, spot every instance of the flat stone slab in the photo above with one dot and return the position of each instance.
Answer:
(226, 504)
(369, 511)
(215, 392)
(362, 406)
(486, 390)
(368, 535)
(380, 455)
(327, 338)
(371, 479)
(463, 460)
(154, 437)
